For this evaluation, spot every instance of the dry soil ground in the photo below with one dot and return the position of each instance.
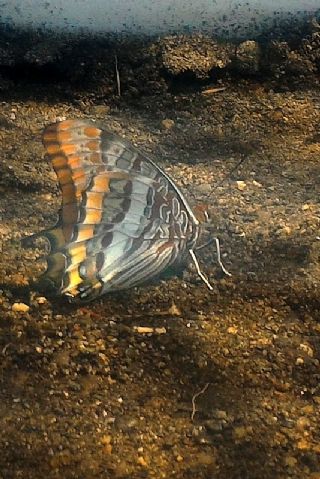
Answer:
(226, 383)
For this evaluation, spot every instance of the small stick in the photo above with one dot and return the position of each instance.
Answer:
(209, 91)
(117, 75)
(194, 410)
(147, 330)
(200, 274)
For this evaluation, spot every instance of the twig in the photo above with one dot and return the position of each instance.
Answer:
(147, 330)
(194, 410)
(117, 75)
(209, 91)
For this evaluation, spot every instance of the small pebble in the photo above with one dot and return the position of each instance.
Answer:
(290, 461)
(141, 460)
(41, 300)
(106, 442)
(303, 423)
(106, 439)
(214, 425)
(241, 185)
(205, 459)
(242, 432)
(256, 183)
(99, 110)
(303, 445)
(232, 330)
(174, 310)
(20, 308)
(219, 414)
(167, 123)
(307, 349)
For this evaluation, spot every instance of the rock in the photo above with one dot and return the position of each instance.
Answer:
(167, 123)
(142, 462)
(311, 50)
(99, 110)
(197, 54)
(303, 423)
(41, 300)
(242, 432)
(214, 425)
(204, 188)
(276, 56)
(303, 445)
(307, 349)
(248, 57)
(106, 442)
(174, 310)
(206, 459)
(308, 409)
(280, 59)
(286, 230)
(219, 414)
(290, 461)
(241, 185)
(20, 308)
(256, 183)
(232, 330)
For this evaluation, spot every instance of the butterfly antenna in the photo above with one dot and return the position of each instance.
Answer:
(117, 75)
(215, 239)
(226, 177)
(217, 242)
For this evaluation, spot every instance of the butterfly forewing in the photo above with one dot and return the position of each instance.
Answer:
(122, 222)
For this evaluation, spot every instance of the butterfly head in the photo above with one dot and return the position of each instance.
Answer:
(202, 214)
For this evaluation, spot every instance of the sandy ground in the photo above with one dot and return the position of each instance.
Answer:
(222, 384)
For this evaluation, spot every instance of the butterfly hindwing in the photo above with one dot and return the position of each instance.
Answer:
(122, 219)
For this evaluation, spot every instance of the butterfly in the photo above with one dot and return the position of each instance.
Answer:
(123, 220)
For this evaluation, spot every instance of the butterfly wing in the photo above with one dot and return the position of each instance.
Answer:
(122, 221)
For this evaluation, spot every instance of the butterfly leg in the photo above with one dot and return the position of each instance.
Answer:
(219, 257)
(200, 274)
(217, 242)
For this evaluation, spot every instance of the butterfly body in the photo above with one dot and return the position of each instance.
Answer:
(123, 221)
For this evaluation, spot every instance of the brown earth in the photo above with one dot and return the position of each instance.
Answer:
(223, 384)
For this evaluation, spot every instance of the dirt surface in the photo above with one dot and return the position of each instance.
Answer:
(221, 384)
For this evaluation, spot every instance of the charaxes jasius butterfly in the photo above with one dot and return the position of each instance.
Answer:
(123, 221)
